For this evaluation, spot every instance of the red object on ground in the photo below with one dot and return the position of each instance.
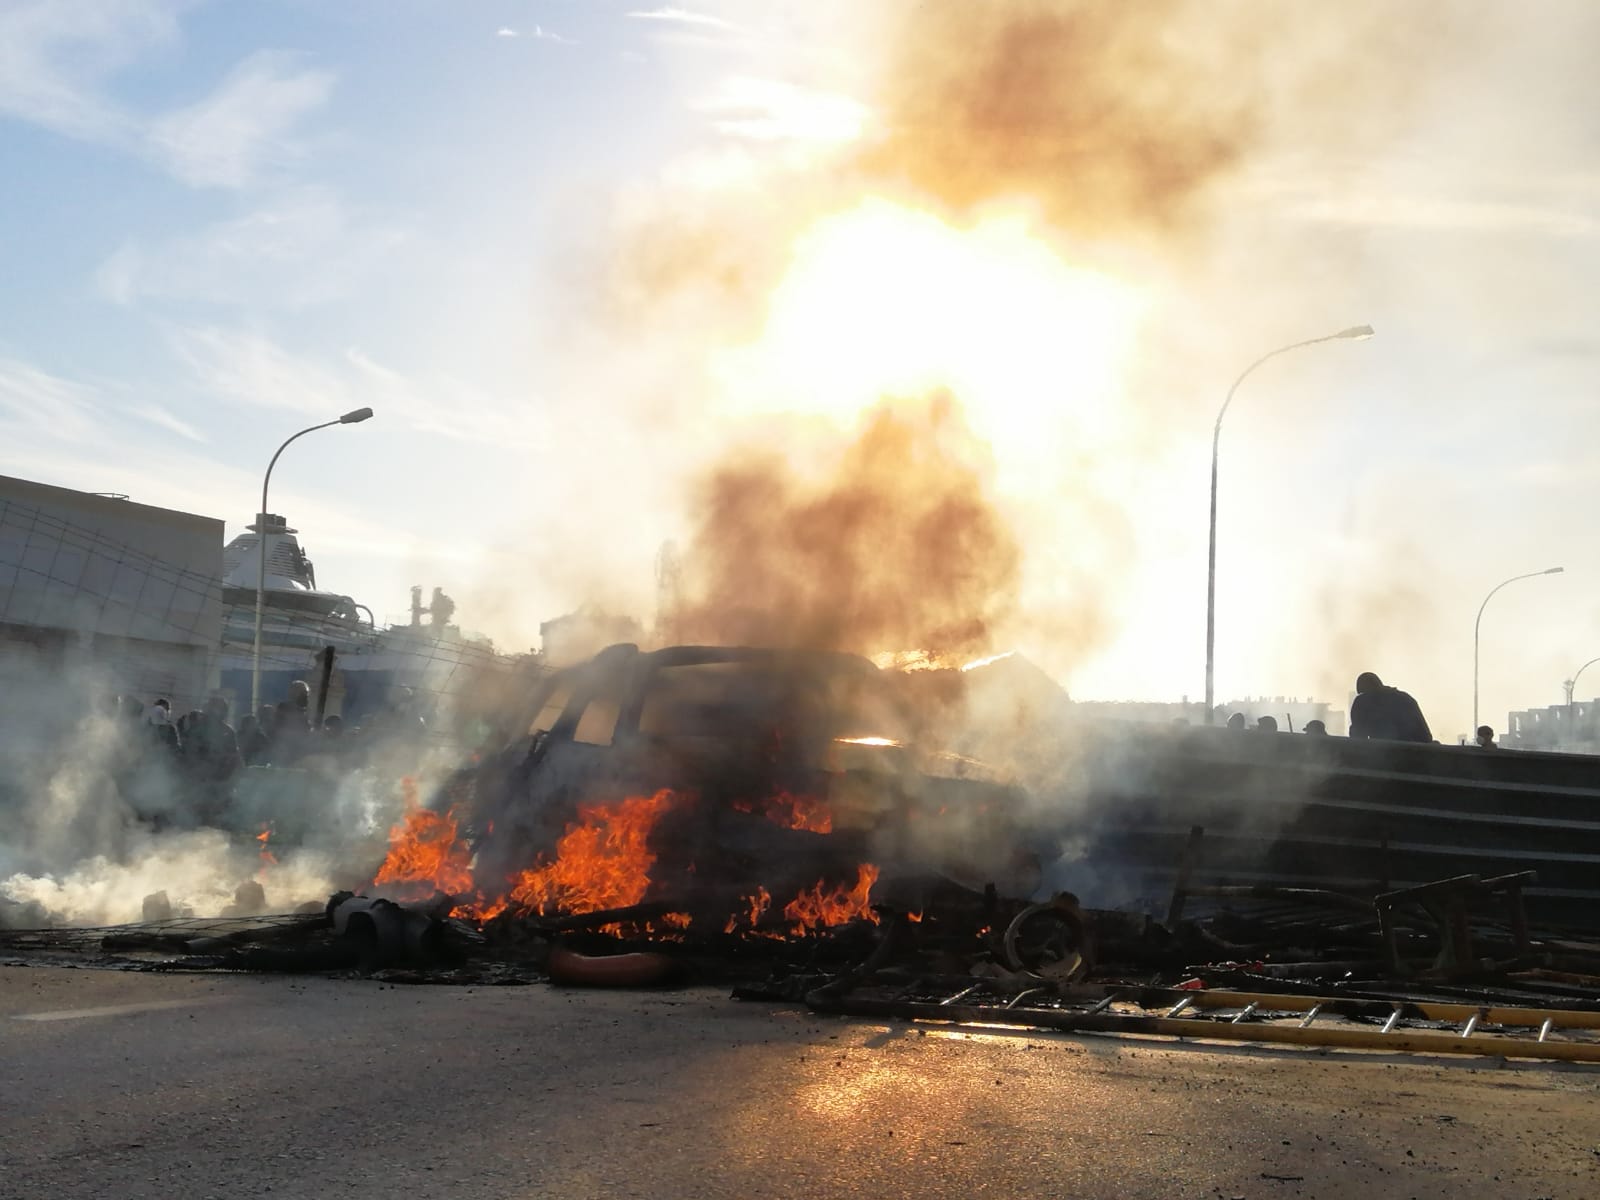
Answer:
(613, 970)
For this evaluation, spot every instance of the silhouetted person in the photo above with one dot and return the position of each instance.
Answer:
(159, 716)
(1486, 737)
(289, 733)
(1316, 729)
(1236, 722)
(266, 732)
(213, 745)
(1386, 713)
(300, 697)
(1267, 725)
(252, 742)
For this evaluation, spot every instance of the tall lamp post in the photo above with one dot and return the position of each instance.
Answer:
(1479, 622)
(349, 418)
(1573, 683)
(1354, 333)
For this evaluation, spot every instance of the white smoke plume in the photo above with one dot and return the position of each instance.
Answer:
(96, 815)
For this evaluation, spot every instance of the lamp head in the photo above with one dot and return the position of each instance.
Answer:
(359, 414)
(1359, 333)
(1554, 571)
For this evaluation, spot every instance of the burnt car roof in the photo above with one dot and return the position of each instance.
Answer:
(674, 656)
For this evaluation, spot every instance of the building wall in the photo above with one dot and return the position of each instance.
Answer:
(92, 583)
(1574, 728)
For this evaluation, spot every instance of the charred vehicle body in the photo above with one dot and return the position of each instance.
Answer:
(782, 766)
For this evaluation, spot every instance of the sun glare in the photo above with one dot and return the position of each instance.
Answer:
(885, 300)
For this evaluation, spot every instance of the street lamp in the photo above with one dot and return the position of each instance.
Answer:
(1573, 683)
(1571, 686)
(1479, 621)
(349, 418)
(1354, 333)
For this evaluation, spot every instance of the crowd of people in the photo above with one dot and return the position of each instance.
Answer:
(1378, 712)
(202, 752)
(205, 742)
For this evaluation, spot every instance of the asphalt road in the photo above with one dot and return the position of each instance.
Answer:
(180, 1086)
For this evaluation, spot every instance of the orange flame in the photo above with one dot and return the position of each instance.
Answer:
(793, 812)
(759, 903)
(424, 848)
(820, 905)
(603, 861)
(801, 812)
(268, 859)
(482, 911)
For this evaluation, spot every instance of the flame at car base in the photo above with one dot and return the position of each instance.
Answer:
(603, 860)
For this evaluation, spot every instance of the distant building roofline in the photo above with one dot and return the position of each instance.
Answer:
(23, 489)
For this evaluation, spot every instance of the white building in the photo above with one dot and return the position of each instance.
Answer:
(94, 581)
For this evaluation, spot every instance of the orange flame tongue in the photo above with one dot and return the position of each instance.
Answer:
(268, 859)
(424, 849)
(603, 861)
(801, 812)
(793, 812)
(820, 905)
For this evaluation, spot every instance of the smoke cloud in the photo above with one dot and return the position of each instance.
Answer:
(1113, 132)
(896, 545)
(1111, 117)
(97, 814)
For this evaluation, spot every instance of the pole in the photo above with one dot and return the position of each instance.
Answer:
(349, 418)
(1479, 622)
(1571, 686)
(1573, 682)
(324, 678)
(1357, 331)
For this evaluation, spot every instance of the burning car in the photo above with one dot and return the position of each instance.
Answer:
(713, 779)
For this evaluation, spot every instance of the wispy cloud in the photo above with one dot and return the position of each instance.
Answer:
(56, 57)
(1447, 214)
(163, 419)
(57, 60)
(229, 138)
(37, 401)
(1431, 197)
(302, 248)
(38, 407)
(682, 16)
(538, 33)
(248, 367)
(769, 110)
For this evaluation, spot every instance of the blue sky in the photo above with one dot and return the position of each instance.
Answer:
(220, 222)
